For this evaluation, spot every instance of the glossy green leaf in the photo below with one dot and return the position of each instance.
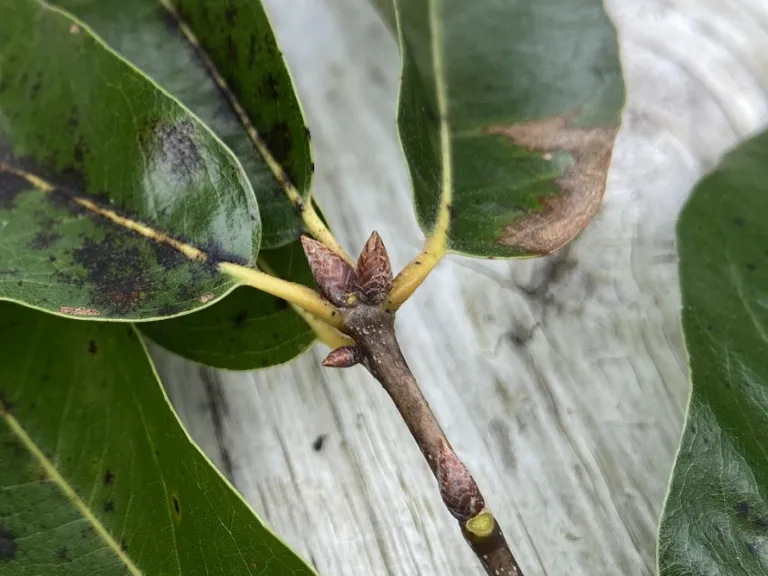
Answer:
(235, 39)
(715, 519)
(507, 115)
(76, 115)
(148, 34)
(97, 475)
(248, 329)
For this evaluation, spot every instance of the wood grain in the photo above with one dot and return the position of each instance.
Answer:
(561, 381)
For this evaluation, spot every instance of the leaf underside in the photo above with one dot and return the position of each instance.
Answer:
(715, 519)
(75, 115)
(97, 476)
(533, 99)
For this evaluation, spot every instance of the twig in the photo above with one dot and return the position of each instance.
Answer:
(360, 295)
(373, 330)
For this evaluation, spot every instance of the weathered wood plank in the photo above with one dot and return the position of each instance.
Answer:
(561, 381)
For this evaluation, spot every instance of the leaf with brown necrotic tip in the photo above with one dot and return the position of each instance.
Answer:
(485, 88)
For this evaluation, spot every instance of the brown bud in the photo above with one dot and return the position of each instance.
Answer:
(374, 272)
(343, 357)
(334, 277)
(457, 487)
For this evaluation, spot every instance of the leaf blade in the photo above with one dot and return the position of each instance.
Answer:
(91, 404)
(478, 171)
(248, 100)
(140, 155)
(716, 513)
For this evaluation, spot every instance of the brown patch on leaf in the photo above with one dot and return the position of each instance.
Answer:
(374, 271)
(582, 185)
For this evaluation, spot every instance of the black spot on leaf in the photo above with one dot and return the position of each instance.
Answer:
(109, 506)
(269, 87)
(62, 553)
(751, 267)
(174, 147)
(176, 506)
(123, 545)
(231, 49)
(92, 348)
(251, 50)
(109, 478)
(8, 545)
(742, 509)
(79, 151)
(317, 445)
(10, 188)
(230, 13)
(169, 310)
(45, 238)
(240, 320)
(166, 256)
(279, 143)
(5, 404)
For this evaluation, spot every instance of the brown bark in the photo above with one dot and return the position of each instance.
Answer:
(359, 293)
(373, 329)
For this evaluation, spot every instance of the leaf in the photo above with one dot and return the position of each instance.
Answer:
(715, 519)
(249, 329)
(97, 475)
(507, 117)
(153, 37)
(115, 201)
(221, 59)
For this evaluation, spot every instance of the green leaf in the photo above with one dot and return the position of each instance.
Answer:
(115, 153)
(715, 519)
(249, 329)
(97, 475)
(507, 117)
(151, 36)
(218, 58)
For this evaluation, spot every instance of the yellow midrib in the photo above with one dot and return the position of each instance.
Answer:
(289, 291)
(309, 216)
(443, 220)
(436, 245)
(53, 474)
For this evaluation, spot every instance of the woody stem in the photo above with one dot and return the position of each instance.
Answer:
(373, 329)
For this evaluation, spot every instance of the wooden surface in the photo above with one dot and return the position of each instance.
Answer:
(561, 381)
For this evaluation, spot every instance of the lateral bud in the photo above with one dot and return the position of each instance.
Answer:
(374, 271)
(344, 357)
(458, 489)
(335, 278)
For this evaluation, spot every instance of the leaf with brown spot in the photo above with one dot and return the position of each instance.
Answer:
(580, 185)
(487, 122)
